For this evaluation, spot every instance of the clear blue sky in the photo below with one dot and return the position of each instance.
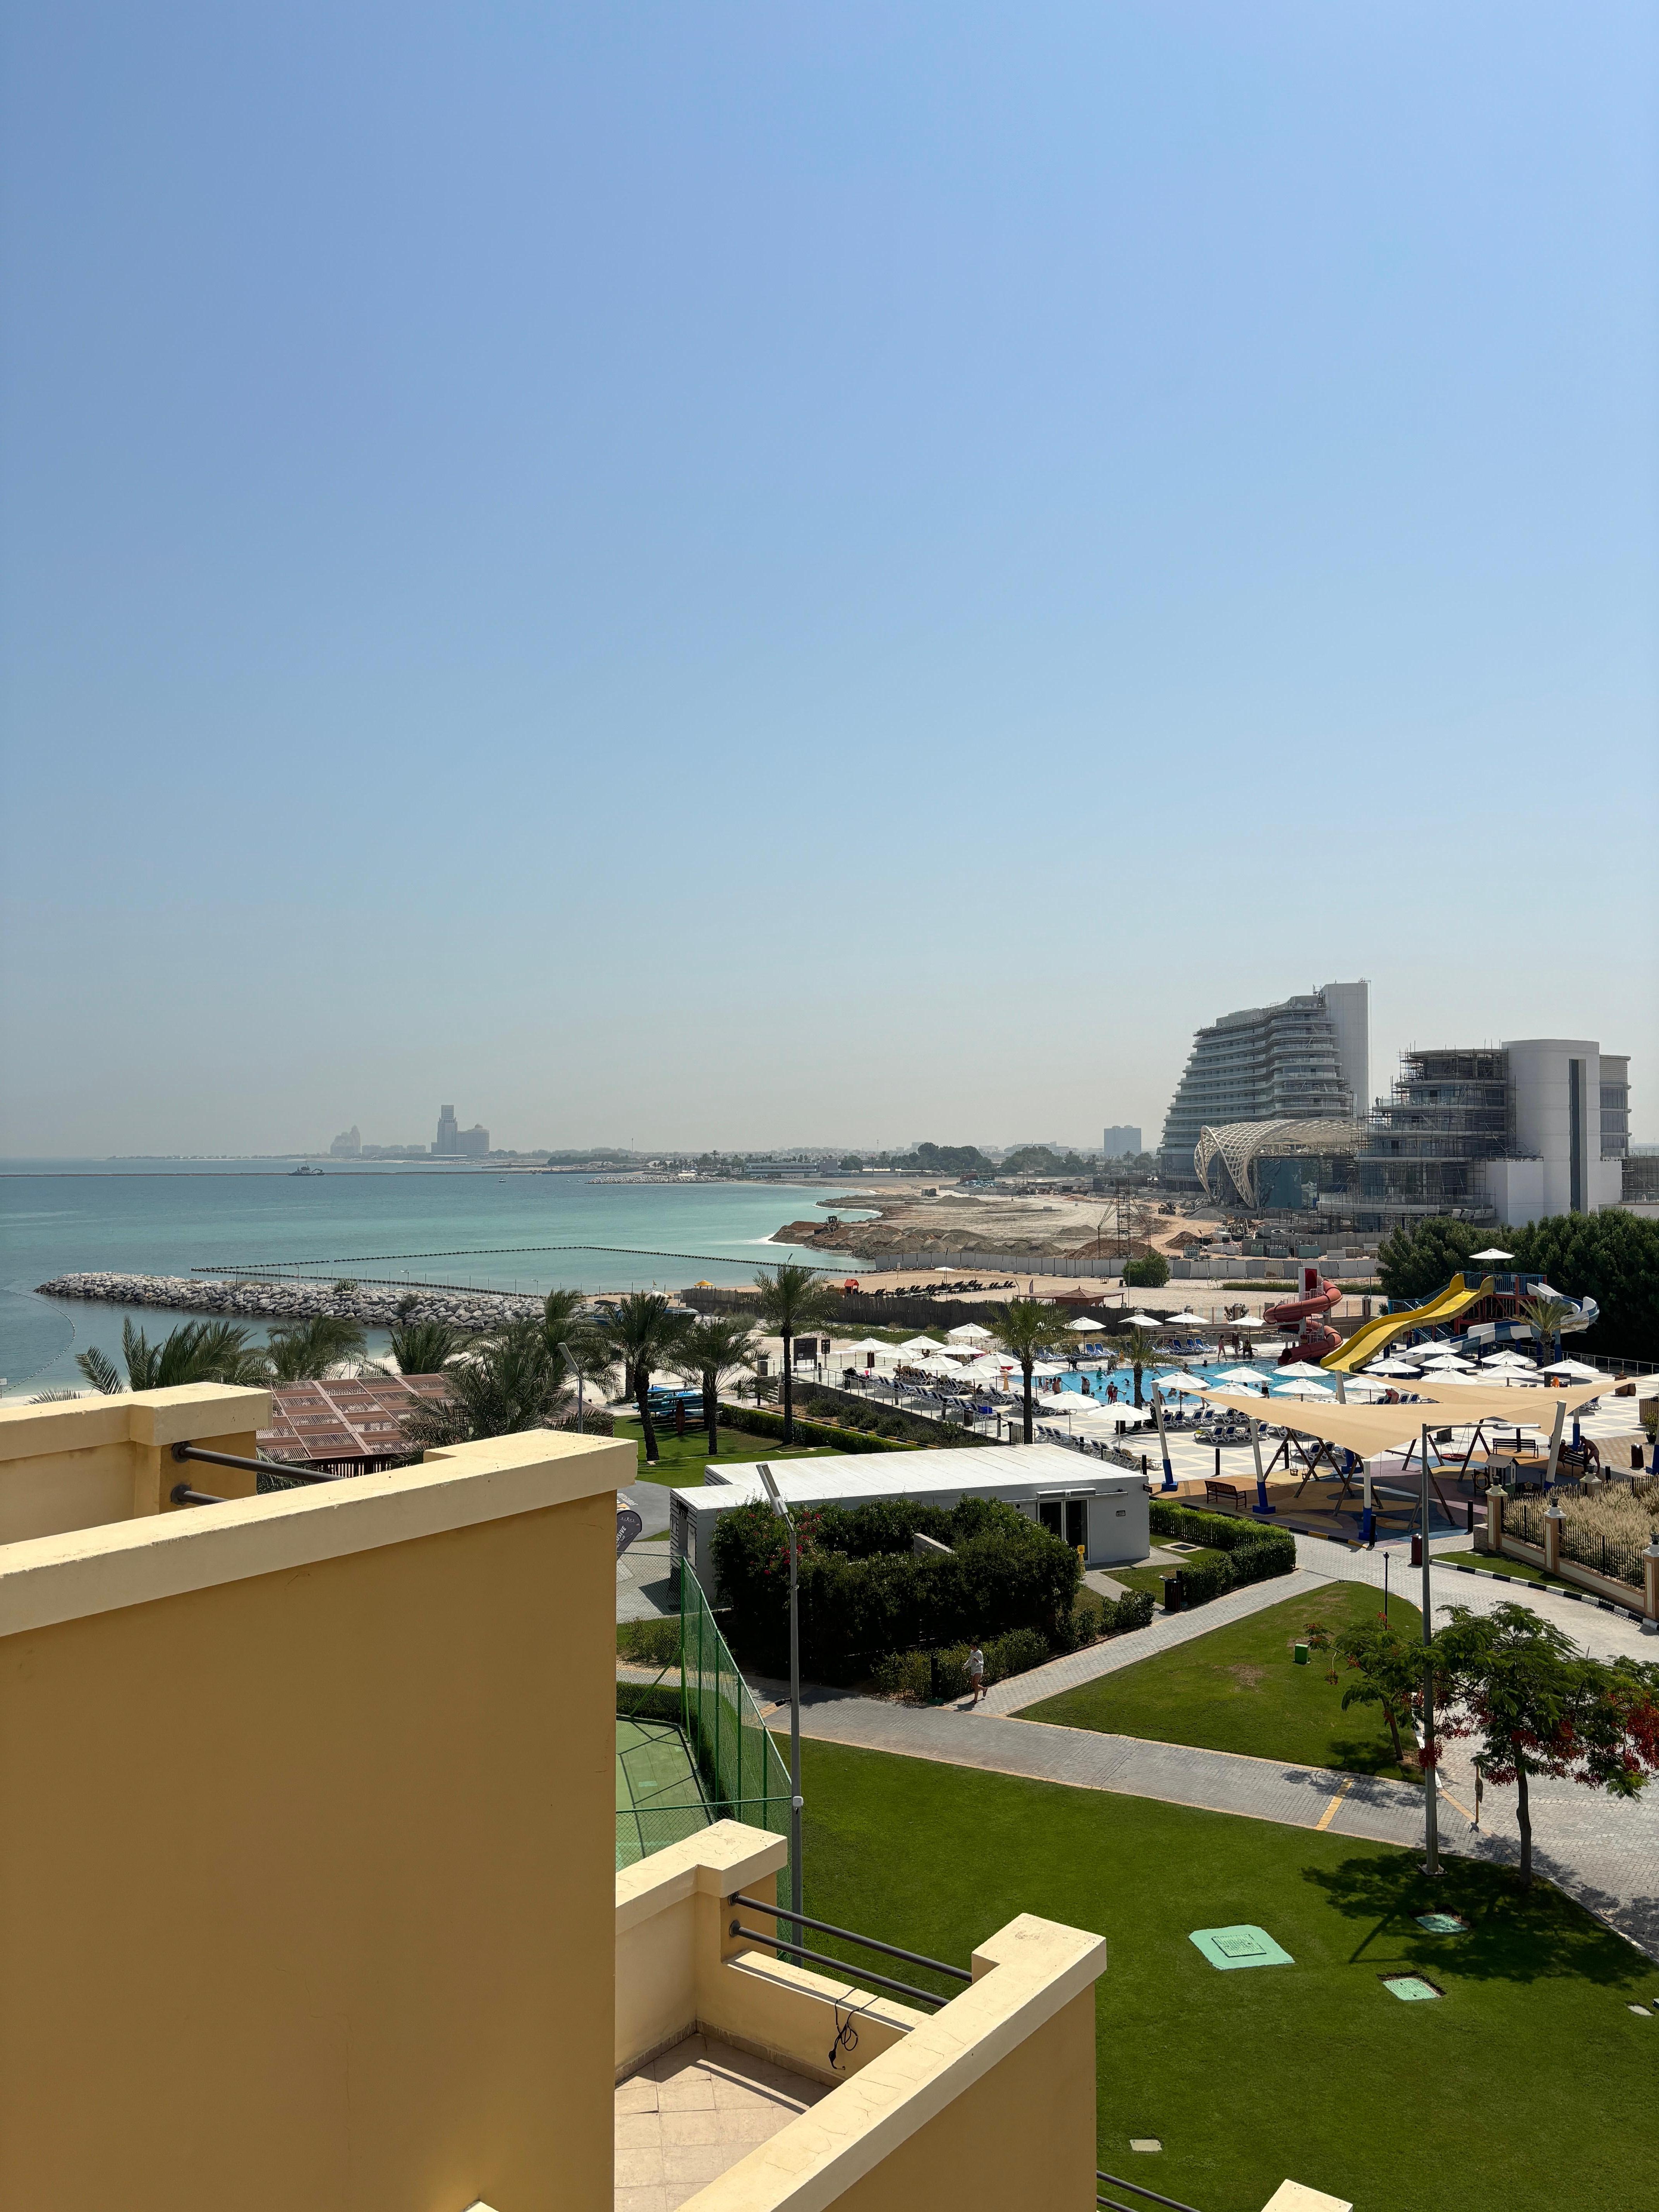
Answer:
(750, 572)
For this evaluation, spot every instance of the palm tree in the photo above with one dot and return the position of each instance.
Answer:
(1546, 1316)
(586, 1355)
(792, 1298)
(507, 1383)
(304, 1350)
(1138, 1348)
(644, 1332)
(195, 1352)
(1025, 1328)
(421, 1348)
(561, 1316)
(713, 1346)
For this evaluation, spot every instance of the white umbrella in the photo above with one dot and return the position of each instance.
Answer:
(1576, 1371)
(1182, 1386)
(1303, 1390)
(970, 1333)
(871, 1344)
(1492, 1253)
(1508, 1359)
(1086, 1322)
(1391, 1367)
(1186, 1320)
(1144, 1320)
(1241, 1375)
(1300, 1370)
(1246, 1321)
(920, 1343)
(1044, 1368)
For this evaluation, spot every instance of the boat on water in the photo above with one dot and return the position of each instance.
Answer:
(305, 1171)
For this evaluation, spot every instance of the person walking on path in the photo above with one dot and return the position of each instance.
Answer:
(976, 1673)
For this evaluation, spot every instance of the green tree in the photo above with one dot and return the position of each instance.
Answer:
(1547, 1316)
(1411, 1264)
(1026, 1329)
(792, 1299)
(1149, 1272)
(195, 1352)
(715, 1346)
(304, 1350)
(1390, 1669)
(1520, 1684)
(504, 1385)
(1137, 1349)
(1611, 1257)
(422, 1348)
(644, 1333)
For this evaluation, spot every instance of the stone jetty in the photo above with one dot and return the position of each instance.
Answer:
(377, 1306)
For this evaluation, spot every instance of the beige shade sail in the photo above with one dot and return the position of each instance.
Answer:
(1497, 1402)
(1369, 1429)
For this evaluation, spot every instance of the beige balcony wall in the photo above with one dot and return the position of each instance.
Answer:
(305, 1881)
(986, 2104)
(90, 1459)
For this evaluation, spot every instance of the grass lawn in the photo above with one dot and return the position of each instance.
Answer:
(682, 1459)
(1517, 1570)
(1528, 2085)
(1239, 1689)
(1151, 1578)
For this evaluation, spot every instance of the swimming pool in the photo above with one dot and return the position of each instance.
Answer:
(1100, 1381)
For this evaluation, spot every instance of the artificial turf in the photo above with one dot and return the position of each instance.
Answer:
(1528, 2085)
(681, 1460)
(1239, 1689)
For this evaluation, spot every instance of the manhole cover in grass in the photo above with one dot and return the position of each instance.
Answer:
(1228, 1947)
(1411, 1989)
(1145, 2142)
(1442, 1923)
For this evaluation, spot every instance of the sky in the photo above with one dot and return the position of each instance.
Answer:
(741, 574)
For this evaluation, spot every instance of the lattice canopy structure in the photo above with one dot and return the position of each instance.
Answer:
(1236, 1146)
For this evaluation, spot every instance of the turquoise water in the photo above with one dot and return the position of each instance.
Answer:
(164, 1217)
(1100, 1381)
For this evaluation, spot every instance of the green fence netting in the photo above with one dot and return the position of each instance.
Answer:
(692, 1747)
(743, 1772)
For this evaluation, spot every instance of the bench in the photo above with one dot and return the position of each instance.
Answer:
(1223, 1496)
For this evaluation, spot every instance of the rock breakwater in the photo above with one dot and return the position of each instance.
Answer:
(244, 1299)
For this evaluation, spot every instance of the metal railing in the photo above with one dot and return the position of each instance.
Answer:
(795, 1949)
(1134, 2190)
(288, 1476)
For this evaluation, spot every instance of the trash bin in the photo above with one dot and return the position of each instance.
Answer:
(1174, 1593)
(1417, 1551)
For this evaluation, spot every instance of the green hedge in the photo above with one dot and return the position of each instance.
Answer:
(920, 1676)
(865, 1595)
(1254, 1554)
(761, 1421)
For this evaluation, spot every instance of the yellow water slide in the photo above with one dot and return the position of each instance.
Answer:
(1369, 1338)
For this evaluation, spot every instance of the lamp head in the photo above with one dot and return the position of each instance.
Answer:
(774, 1495)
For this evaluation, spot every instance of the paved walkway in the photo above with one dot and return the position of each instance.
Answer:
(1601, 1851)
(1164, 1631)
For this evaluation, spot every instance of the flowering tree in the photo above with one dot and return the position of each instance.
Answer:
(1520, 1686)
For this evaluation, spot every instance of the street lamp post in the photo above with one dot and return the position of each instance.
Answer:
(774, 1498)
(1430, 1798)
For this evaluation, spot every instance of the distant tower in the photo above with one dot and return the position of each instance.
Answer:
(449, 1133)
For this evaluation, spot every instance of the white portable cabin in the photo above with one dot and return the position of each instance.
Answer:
(1081, 1501)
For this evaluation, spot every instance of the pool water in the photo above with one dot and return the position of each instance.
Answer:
(1100, 1381)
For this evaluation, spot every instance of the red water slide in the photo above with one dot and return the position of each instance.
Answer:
(1295, 1311)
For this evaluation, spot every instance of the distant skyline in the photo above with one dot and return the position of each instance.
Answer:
(724, 576)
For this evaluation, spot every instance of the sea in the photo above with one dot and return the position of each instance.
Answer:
(474, 1227)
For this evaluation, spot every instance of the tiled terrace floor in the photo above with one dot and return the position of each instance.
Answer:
(686, 2117)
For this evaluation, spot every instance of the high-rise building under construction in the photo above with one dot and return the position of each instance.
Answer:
(1307, 1058)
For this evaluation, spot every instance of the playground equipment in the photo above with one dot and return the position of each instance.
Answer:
(1493, 1306)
